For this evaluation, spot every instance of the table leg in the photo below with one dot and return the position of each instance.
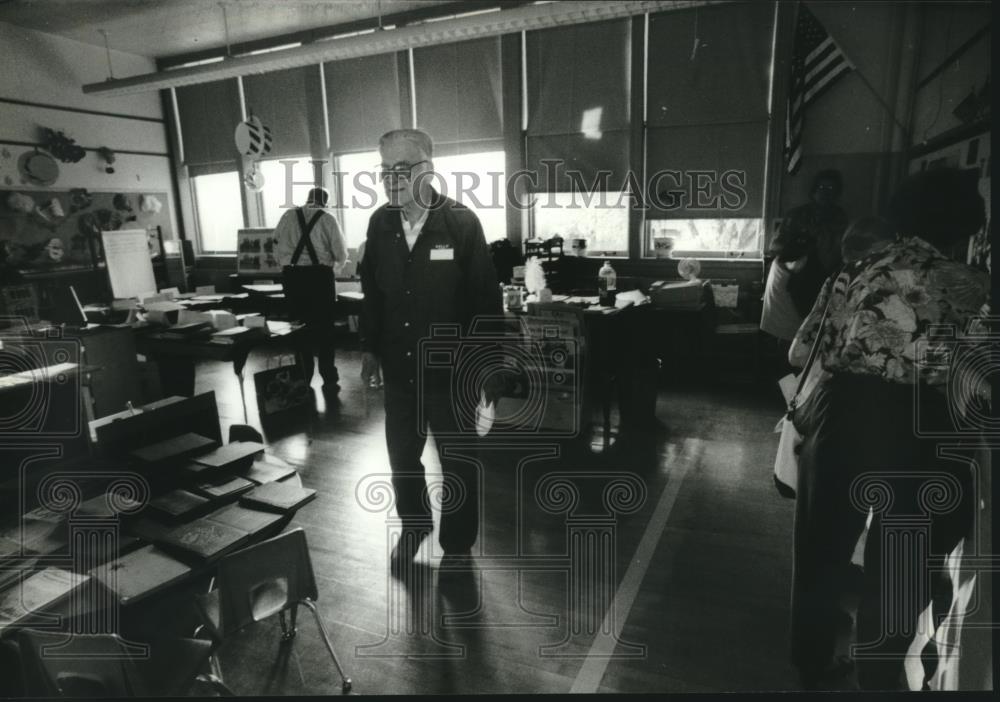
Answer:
(243, 396)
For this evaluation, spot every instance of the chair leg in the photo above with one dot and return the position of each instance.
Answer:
(216, 683)
(346, 681)
(216, 666)
(288, 627)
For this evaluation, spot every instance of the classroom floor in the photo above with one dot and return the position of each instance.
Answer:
(684, 589)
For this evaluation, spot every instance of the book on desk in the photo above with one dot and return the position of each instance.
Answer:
(278, 497)
(219, 533)
(21, 604)
(141, 573)
(175, 447)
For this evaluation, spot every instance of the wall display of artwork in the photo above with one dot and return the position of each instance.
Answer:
(255, 252)
(61, 229)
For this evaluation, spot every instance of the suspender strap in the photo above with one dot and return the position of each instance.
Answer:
(305, 241)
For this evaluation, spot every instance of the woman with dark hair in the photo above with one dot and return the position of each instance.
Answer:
(888, 325)
(806, 252)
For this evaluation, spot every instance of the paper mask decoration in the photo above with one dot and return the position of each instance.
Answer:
(150, 204)
(252, 137)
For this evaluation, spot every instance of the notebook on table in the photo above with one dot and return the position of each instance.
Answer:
(229, 487)
(204, 539)
(262, 472)
(252, 521)
(21, 603)
(178, 504)
(233, 454)
(278, 497)
(140, 573)
(174, 447)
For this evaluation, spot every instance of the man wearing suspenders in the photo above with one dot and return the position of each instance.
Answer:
(309, 240)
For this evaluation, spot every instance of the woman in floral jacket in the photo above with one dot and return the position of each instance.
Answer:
(895, 324)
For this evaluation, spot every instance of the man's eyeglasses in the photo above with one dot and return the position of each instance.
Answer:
(401, 170)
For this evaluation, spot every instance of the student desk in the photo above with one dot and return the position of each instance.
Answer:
(163, 613)
(177, 357)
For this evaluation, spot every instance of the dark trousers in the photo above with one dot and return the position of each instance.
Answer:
(318, 339)
(406, 435)
(862, 451)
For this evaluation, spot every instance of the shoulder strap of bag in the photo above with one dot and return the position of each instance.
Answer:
(813, 353)
(305, 240)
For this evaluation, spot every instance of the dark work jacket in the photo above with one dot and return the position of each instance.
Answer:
(447, 278)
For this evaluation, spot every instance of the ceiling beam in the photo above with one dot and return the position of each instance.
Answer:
(522, 18)
(307, 36)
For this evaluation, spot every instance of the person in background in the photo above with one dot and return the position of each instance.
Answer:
(866, 236)
(323, 244)
(426, 264)
(806, 252)
(894, 321)
(808, 244)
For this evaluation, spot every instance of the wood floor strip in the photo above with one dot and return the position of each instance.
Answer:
(588, 680)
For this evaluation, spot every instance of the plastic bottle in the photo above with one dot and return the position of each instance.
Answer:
(607, 285)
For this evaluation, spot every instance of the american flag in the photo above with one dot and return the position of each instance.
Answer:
(817, 62)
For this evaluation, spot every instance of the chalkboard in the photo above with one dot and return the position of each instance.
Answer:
(61, 229)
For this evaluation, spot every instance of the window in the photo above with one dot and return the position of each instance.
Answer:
(356, 194)
(599, 218)
(705, 238)
(477, 181)
(219, 211)
(275, 195)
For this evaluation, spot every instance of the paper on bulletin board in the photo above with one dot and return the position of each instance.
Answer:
(725, 295)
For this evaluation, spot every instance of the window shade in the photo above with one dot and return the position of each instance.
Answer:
(208, 115)
(458, 95)
(578, 101)
(707, 109)
(290, 103)
(727, 77)
(362, 97)
(724, 161)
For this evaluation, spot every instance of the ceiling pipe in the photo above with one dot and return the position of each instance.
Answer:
(524, 18)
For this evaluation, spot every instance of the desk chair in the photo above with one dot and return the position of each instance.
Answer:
(244, 432)
(272, 577)
(100, 666)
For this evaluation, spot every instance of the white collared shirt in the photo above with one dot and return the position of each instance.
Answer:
(412, 232)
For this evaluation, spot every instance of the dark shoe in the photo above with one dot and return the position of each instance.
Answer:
(406, 549)
(455, 565)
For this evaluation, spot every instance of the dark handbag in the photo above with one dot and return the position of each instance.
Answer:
(281, 388)
(310, 291)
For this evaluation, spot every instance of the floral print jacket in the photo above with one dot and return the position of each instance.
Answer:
(899, 314)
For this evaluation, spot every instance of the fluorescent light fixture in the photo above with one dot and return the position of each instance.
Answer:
(481, 24)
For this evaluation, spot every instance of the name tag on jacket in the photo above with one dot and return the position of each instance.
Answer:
(444, 253)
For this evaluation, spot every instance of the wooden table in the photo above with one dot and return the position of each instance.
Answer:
(177, 356)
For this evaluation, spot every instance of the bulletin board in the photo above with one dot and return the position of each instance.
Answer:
(256, 251)
(61, 229)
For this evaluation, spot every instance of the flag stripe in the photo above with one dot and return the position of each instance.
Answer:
(817, 61)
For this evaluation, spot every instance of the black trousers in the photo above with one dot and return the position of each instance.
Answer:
(407, 418)
(318, 339)
(863, 451)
